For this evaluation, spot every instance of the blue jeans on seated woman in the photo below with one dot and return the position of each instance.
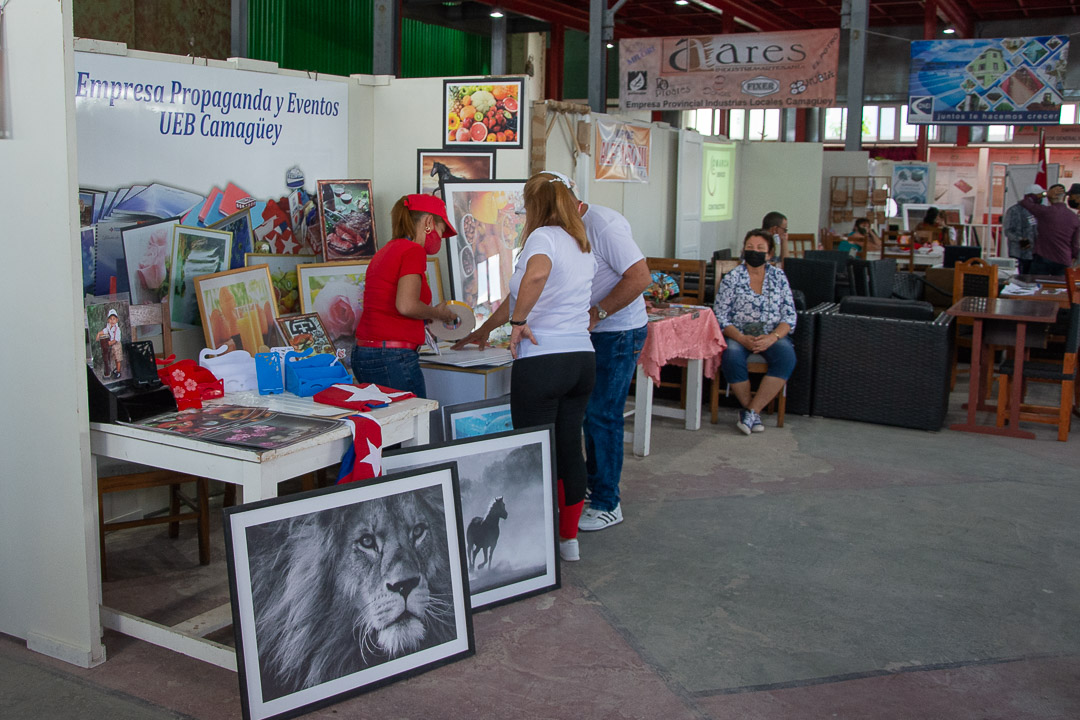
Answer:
(780, 356)
(397, 368)
(616, 360)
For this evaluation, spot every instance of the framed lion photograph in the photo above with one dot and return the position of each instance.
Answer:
(508, 506)
(338, 591)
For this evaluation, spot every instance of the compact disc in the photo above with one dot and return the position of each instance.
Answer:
(466, 323)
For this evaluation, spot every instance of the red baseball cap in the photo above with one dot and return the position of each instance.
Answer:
(433, 205)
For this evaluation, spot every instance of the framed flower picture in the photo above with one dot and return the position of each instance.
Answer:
(283, 277)
(483, 252)
(434, 167)
(346, 219)
(195, 252)
(148, 252)
(301, 332)
(237, 309)
(335, 292)
(483, 110)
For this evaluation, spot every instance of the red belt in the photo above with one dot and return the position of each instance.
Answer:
(387, 344)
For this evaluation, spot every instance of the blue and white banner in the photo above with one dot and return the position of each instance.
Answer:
(196, 127)
(1000, 81)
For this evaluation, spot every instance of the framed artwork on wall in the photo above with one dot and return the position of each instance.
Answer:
(434, 279)
(108, 326)
(243, 242)
(237, 309)
(434, 167)
(334, 291)
(483, 252)
(483, 110)
(319, 615)
(195, 252)
(507, 509)
(283, 276)
(346, 219)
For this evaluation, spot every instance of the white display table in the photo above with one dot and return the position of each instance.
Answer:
(257, 473)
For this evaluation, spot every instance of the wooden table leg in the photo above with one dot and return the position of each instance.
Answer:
(1018, 385)
(975, 388)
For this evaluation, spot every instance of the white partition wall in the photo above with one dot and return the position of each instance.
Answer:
(48, 544)
(785, 177)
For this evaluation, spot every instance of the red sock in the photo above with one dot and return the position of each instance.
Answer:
(568, 515)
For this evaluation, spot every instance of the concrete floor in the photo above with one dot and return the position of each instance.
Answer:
(827, 569)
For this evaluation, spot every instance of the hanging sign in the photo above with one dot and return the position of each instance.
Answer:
(622, 152)
(717, 182)
(1000, 81)
(748, 70)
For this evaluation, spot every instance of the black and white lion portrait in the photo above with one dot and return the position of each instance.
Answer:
(342, 590)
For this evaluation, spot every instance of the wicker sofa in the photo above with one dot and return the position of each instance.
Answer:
(883, 360)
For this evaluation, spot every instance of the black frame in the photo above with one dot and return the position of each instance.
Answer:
(516, 144)
(448, 412)
(551, 578)
(444, 476)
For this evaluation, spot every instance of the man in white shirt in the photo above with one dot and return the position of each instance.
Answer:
(618, 328)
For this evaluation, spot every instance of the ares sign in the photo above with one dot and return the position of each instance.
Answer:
(781, 70)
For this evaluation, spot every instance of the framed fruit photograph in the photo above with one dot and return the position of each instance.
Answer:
(283, 276)
(346, 219)
(483, 110)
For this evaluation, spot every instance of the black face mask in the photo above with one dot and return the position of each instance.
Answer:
(1074, 204)
(754, 258)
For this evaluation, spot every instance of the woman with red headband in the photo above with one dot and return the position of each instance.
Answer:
(397, 298)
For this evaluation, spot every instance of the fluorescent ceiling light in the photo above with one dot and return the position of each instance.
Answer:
(609, 46)
(682, 2)
(949, 30)
(496, 14)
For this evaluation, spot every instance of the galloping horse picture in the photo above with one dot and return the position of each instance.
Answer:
(483, 534)
(435, 167)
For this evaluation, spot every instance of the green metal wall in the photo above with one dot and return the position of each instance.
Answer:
(576, 67)
(336, 38)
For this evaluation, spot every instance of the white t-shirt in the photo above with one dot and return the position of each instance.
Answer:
(615, 250)
(560, 318)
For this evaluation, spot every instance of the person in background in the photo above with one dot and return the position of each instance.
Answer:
(775, 224)
(756, 312)
(1073, 199)
(618, 325)
(1057, 238)
(397, 298)
(1021, 228)
(554, 362)
(860, 234)
(934, 222)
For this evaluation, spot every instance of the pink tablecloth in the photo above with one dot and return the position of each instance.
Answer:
(680, 333)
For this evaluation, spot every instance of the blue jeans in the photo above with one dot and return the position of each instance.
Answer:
(616, 359)
(397, 368)
(1042, 266)
(780, 356)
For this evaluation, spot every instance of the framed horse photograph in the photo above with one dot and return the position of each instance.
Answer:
(435, 167)
(508, 501)
(323, 609)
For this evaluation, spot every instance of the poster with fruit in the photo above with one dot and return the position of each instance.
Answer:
(301, 332)
(483, 252)
(483, 110)
(283, 277)
(237, 309)
(335, 292)
(346, 219)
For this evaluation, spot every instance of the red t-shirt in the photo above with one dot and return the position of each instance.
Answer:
(380, 319)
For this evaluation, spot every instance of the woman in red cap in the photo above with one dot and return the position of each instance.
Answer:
(397, 298)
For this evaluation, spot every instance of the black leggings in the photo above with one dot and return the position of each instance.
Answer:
(555, 389)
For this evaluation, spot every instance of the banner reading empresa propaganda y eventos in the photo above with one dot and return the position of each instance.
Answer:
(781, 70)
(622, 152)
(1001, 81)
(195, 127)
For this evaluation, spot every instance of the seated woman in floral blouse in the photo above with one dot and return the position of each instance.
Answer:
(757, 313)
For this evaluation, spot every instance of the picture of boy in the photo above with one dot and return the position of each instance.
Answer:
(112, 351)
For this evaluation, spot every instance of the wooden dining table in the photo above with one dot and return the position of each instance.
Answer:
(1018, 313)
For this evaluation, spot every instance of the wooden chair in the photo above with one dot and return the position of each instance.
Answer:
(799, 243)
(972, 278)
(755, 364)
(1047, 371)
(197, 507)
(895, 247)
(682, 270)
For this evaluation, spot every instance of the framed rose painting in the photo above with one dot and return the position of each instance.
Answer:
(335, 292)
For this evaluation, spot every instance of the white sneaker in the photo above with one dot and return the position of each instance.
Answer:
(593, 519)
(568, 550)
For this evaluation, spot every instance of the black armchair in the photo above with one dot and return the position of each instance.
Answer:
(883, 361)
(815, 278)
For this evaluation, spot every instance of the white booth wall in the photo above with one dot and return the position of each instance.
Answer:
(840, 163)
(785, 177)
(48, 560)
